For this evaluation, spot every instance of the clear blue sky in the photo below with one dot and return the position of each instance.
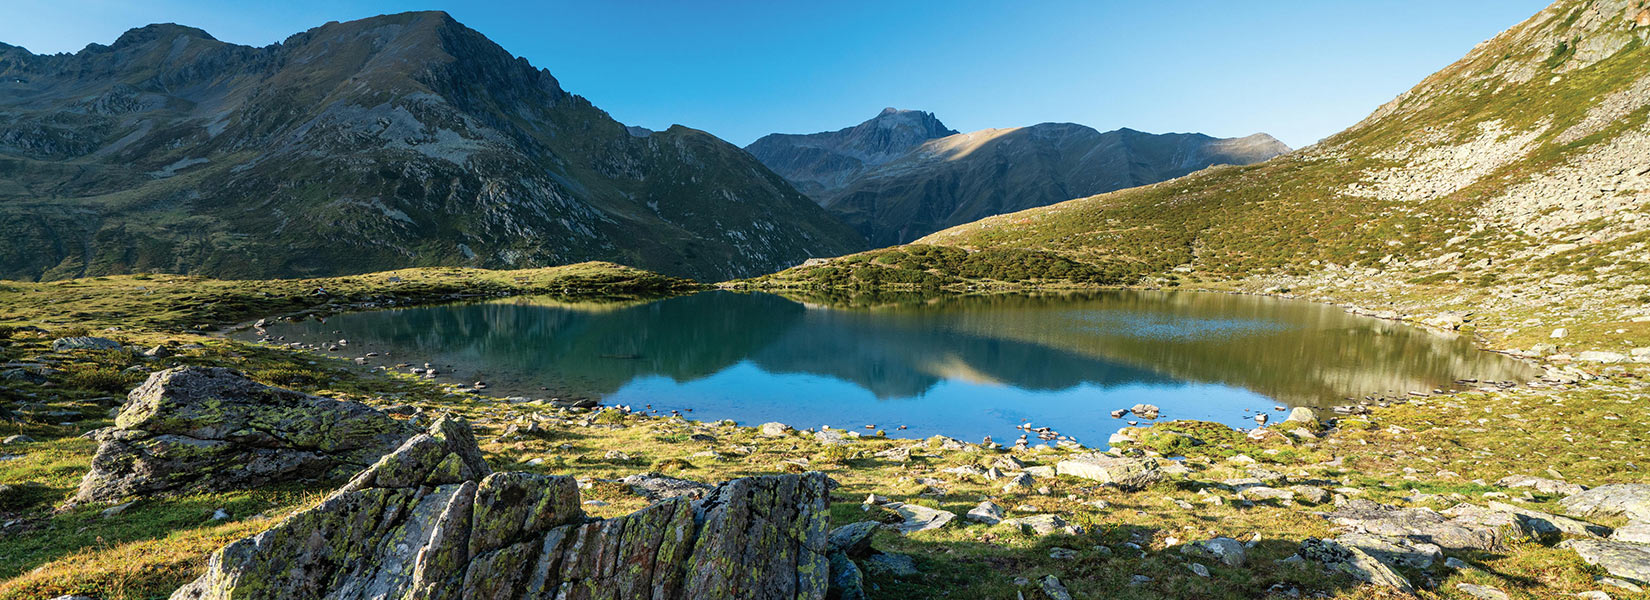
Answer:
(1297, 69)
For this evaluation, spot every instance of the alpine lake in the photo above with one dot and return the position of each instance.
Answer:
(961, 366)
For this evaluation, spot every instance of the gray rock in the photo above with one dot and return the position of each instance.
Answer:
(1145, 411)
(17, 439)
(1224, 549)
(84, 343)
(1354, 562)
(1541, 484)
(1617, 583)
(853, 539)
(1125, 473)
(986, 512)
(1053, 588)
(1484, 530)
(657, 486)
(847, 582)
(1399, 551)
(897, 565)
(775, 429)
(1625, 560)
(1302, 414)
(831, 436)
(212, 429)
(1631, 500)
(1482, 592)
(1019, 483)
(1261, 493)
(1637, 532)
(1546, 524)
(918, 518)
(1040, 524)
(1309, 494)
(431, 521)
(1199, 570)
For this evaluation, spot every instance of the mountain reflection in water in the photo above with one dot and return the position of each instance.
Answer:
(960, 366)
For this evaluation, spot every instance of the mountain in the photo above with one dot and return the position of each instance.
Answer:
(916, 177)
(821, 163)
(398, 140)
(1511, 187)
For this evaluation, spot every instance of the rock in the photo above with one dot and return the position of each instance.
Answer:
(831, 437)
(1058, 553)
(898, 455)
(1354, 562)
(1625, 560)
(853, 539)
(918, 518)
(897, 565)
(847, 582)
(1261, 493)
(1601, 357)
(775, 429)
(1125, 473)
(1637, 532)
(220, 515)
(159, 351)
(431, 521)
(1302, 414)
(1542, 485)
(1625, 585)
(657, 486)
(1040, 524)
(1426, 525)
(117, 509)
(1019, 483)
(1482, 592)
(84, 343)
(1145, 411)
(986, 512)
(1309, 494)
(1560, 333)
(1631, 500)
(1546, 524)
(1399, 551)
(1199, 570)
(212, 429)
(1053, 588)
(17, 439)
(1227, 550)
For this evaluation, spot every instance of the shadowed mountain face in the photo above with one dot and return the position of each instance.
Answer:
(394, 141)
(896, 188)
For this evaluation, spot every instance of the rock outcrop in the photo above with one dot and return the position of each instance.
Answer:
(432, 521)
(213, 429)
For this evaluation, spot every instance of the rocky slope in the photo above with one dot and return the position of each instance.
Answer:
(1513, 178)
(894, 185)
(394, 141)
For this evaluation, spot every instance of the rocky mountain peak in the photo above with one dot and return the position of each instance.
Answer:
(159, 32)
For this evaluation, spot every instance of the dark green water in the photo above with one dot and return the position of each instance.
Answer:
(959, 366)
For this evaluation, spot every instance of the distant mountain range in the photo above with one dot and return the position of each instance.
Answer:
(903, 174)
(394, 141)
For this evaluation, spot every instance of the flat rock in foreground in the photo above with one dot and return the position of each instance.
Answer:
(213, 429)
(431, 521)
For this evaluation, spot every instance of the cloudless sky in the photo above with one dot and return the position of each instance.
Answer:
(1297, 69)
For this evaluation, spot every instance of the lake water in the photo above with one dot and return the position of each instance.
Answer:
(965, 367)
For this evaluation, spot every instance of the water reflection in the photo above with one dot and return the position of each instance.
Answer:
(962, 366)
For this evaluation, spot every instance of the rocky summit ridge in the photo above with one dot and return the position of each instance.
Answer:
(393, 141)
(902, 174)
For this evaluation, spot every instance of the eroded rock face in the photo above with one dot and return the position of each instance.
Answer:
(431, 521)
(212, 429)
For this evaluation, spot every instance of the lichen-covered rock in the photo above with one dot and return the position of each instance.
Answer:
(1125, 473)
(1467, 529)
(430, 522)
(213, 429)
(1355, 562)
(84, 343)
(658, 486)
(1622, 559)
(1631, 500)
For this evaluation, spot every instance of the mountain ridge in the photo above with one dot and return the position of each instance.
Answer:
(398, 140)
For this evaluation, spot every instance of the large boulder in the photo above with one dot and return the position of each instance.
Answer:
(213, 429)
(1125, 473)
(1622, 559)
(431, 521)
(1355, 562)
(1631, 500)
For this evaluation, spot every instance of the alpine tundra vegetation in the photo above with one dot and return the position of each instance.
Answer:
(161, 440)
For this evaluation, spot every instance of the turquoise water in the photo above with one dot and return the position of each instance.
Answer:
(966, 367)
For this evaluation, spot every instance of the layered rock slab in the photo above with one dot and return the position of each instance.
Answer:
(430, 521)
(213, 429)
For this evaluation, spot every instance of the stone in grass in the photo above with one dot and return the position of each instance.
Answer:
(1354, 562)
(1227, 550)
(853, 539)
(431, 521)
(1541, 484)
(775, 429)
(1053, 588)
(1482, 592)
(1621, 559)
(1631, 500)
(1041, 525)
(1125, 473)
(84, 343)
(986, 512)
(915, 517)
(213, 429)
